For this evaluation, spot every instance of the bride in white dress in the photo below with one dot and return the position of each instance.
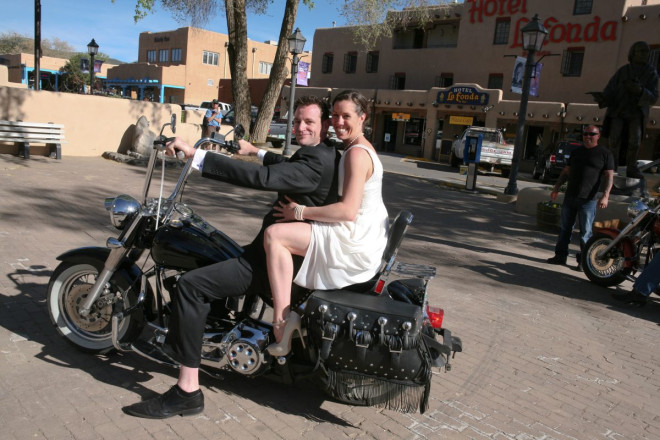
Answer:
(344, 242)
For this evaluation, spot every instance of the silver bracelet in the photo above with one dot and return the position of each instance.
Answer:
(298, 212)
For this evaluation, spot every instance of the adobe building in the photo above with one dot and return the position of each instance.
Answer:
(21, 70)
(186, 66)
(428, 84)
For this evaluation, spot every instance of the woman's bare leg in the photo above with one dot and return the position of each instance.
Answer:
(281, 242)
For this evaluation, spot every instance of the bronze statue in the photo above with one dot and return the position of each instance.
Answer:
(628, 96)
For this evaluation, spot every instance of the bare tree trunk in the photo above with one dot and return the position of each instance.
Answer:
(278, 74)
(237, 52)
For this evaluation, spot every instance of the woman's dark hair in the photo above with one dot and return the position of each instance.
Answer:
(304, 101)
(361, 103)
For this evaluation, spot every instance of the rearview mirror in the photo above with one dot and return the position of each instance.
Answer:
(173, 122)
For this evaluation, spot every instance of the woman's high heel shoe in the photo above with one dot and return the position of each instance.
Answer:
(283, 347)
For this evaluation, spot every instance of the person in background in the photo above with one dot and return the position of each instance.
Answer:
(589, 167)
(213, 118)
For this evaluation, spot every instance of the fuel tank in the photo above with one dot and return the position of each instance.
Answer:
(188, 243)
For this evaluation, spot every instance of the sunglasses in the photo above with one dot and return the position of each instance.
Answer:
(590, 133)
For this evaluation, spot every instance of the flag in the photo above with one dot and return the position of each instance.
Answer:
(84, 65)
(518, 74)
(97, 66)
(303, 70)
(536, 77)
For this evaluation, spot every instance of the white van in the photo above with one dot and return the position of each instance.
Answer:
(223, 106)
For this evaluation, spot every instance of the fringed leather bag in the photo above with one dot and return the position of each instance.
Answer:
(371, 348)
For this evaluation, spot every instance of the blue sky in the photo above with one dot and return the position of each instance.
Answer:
(112, 26)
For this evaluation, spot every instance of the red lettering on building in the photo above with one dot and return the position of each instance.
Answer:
(570, 32)
(489, 8)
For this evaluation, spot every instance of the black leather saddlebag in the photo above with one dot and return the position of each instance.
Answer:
(371, 347)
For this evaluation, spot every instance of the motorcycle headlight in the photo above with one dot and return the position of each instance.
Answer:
(636, 207)
(122, 209)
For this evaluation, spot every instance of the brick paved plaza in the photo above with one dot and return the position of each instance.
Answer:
(547, 354)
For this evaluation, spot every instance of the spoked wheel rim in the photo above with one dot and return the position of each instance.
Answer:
(608, 266)
(74, 285)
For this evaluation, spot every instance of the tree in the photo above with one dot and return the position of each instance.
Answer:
(12, 43)
(73, 79)
(373, 20)
(200, 11)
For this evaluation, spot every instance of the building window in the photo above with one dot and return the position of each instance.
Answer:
(176, 55)
(571, 63)
(151, 56)
(398, 81)
(502, 27)
(163, 55)
(582, 7)
(372, 62)
(495, 81)
(264, 68)
(444, 80)
(328, 57)
(350, 62)
(210, 58)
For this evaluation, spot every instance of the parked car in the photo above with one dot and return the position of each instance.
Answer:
(495, 152)
(223, 106)
(550, 161)
(229, 118)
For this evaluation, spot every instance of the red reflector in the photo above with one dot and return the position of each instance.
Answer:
(379, 286)
(435, 314)
(553, 158)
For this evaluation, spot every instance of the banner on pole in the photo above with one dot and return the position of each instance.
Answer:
(303, 71)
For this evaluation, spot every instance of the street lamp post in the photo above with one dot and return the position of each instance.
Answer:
(533, 35)
(92, 50)
(296, 44)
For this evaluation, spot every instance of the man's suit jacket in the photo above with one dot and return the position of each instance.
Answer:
(309, 176)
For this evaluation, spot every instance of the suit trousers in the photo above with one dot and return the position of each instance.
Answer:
(198, 288)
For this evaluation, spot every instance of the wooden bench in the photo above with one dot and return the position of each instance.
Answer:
(27, 133)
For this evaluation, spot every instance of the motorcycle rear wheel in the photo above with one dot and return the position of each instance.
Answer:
(69, 285)
(608, 271)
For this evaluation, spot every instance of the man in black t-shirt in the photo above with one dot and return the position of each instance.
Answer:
(589, 167)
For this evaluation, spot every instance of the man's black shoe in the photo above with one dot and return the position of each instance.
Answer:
(633, 298)
(172, 403)
(557, 259)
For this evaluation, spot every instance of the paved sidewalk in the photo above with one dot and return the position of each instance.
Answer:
(547, 353)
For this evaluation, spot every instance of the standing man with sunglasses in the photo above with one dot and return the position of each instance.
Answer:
(590, 168)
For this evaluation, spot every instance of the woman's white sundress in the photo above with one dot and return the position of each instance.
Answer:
(345, 253)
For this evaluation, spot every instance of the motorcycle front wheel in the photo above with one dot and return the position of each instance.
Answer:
(609, 270)
(69, 286)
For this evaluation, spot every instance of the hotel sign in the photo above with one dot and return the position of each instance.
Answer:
(463, 96)
(401, 117)
(461, 120)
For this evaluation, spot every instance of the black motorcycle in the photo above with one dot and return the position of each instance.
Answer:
(371, 344)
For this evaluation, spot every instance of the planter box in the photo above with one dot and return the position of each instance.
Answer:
(548, 216)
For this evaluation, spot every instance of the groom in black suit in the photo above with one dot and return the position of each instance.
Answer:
(309, 177)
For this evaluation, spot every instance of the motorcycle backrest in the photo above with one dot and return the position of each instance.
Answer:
(396, 234)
